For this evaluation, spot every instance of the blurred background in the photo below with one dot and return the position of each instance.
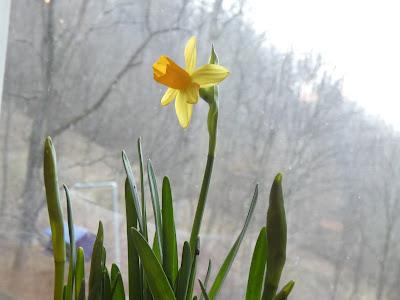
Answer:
(313, 93)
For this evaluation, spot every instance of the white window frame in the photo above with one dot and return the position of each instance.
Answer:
(4, 23)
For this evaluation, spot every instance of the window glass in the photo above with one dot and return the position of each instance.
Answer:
(312, 93)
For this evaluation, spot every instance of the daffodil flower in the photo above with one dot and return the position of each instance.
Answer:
(184, 84)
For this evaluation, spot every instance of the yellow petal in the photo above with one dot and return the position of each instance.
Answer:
(169, 96)
(183, 110)
(209, 75)
(191, 94)
(190, 54)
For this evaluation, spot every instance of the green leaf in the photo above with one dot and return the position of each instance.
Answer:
(184, 273)
(80, 273)
(156, 278)
(133, 189)
(117, 285)
(276, 239)
(145, 290)
(207, 277)
(97, 266)
(156, 247)
(143, 202)
(106, 285)
(284, 293)
(257, 267)
(72, 248)
(170, 252)
(55, 215)
(223, 271)
(135, 274)
(203, 291)
(82, 291)
(193, 271)
(156, 205)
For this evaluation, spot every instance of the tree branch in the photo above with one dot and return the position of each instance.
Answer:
(124, 70)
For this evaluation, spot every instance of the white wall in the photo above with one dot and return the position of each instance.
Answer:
(4, 22)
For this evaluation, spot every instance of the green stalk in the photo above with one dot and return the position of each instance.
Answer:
(202, 201)
(210, 95)
(55, 216)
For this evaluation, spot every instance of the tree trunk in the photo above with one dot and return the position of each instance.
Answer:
(31, 198)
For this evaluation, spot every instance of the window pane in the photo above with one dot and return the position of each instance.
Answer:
(323, 113)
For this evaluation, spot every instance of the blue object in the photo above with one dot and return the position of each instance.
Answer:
(78, 231)
(83, 238)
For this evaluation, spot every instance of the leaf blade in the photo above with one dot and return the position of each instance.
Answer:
(223, 271)
(170, 252)
(156, 206)
(72, 248)
(55, 215)
(276, 239)
(80, 273)
(206, 278)
(184, 273)
(285, 292)
(133, 189)
(203, 291)
(142, 198)
(157, 280)
(257, 267)
(193, 271)
(135, 274)
(97, 266)
(117, 285)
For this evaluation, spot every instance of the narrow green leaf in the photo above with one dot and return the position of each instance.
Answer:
(117, 285)
(203, 291)
(82, 291)
(257, 267)
(156, 247)
(133, 189)
(193, 271)
(80, 273)
(135, 274)
(156, 205)
(170, 252)
(223, 271)
(143, 201)
(97, 266)
(156, 278)
(207, 277)
(55, 216)
(145, 289)
(285, 292)
(106, 285)
(72, 248)
(184, 273)
(276, 239)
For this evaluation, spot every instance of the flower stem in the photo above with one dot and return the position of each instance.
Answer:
(210, 95)
(202, 201)
(212, 131)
